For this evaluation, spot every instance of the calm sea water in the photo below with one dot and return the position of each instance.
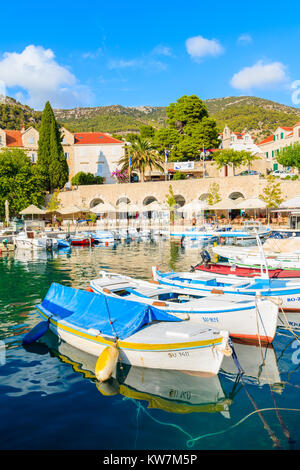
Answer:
(51, 400)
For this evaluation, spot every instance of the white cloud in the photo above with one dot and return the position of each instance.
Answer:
(162, 50)
(140, 63)
(244, 39)
(92, 54)
(36, 72)
(260, 75)
(199, 47)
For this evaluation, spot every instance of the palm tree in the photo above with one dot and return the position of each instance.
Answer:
(142, 156)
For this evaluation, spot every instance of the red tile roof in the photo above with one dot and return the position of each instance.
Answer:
(13, 138)
(268, 139)
(85, 138)
(286, 128)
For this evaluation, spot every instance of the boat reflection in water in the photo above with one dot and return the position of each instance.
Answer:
(171, 391)
(258, 362)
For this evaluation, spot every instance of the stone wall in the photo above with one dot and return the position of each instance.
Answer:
(247, 186)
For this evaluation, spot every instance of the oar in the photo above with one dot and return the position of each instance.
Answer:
(37, 332)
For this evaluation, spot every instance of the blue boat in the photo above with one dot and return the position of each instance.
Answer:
(287, 291)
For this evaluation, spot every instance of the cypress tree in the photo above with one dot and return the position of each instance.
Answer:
(52, 166)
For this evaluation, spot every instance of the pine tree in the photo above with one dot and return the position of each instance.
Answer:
(51, 163)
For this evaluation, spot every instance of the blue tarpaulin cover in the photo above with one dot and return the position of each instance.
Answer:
(88, 310)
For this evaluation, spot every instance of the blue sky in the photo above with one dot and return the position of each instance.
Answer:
(132, 53)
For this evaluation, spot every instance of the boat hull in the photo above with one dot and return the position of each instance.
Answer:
(240, 271)
(205, 358)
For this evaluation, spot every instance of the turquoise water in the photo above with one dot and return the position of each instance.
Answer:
(51, 400)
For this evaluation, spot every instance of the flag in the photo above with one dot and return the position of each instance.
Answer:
(129, 160)
(166, 156)
(204, 154)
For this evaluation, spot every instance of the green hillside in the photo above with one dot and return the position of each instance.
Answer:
(14, 114)
(256, 115)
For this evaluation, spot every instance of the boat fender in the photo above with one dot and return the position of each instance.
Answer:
(216, 291)
(106, 363)
(37, 332)
(107, 291)
(158, 303)
(154, 282)
(89, 289)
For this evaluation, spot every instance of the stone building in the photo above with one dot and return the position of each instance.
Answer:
(282, 137)
(26, 140)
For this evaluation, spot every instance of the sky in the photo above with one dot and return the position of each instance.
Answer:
(135, 53)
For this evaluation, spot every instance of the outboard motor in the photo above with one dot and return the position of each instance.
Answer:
(205, 257)
(49, 244)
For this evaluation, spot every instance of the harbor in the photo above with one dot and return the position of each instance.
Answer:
(197, 410)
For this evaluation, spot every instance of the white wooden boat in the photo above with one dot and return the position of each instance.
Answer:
(169, 390)
(143, 335)
(284, 254)
(29, 240)
(287, 291)
(243, 316)
(249, 231)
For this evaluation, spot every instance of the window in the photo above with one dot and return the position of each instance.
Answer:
(31, 140)
(267, 154)
(67, 155)
(282, 135)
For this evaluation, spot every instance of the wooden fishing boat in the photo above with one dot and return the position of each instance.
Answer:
(243, 316)
(142, 335)
(169, 390)
(81, 240)
(285, 290)
(223, 269)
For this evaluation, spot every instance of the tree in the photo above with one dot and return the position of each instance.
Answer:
(143, 156)
(213, 196)
(179, 176)
(171, 201)
(290, 156)
(19, 182)
(190, 129)
(271, 194)
(147, 132)
(82, 178)
(51, 162)
(54, 202)
(187, 110)
(235, 158)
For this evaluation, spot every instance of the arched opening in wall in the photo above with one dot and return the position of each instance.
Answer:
(180, 200)
(95, 202)
(148, 200)
(236, 195)
(203, 197)
(123, 200)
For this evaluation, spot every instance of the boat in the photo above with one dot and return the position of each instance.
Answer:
(143, 335)
(81, 240)
(102, 237)
(250, 231)
(168, 390)
(31, 240)
(225, 269)
(279, 254)
(243, 316)
(285, 292)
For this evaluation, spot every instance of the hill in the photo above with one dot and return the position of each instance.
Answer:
(243, 113)
(14, 114)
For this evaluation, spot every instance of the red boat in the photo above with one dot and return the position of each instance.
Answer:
(82, 241)
(225, 269)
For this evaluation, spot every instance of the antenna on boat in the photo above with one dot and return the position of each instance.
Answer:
(265, 274)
